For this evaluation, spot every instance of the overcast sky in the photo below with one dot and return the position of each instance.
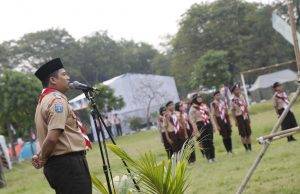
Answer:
(140, 20)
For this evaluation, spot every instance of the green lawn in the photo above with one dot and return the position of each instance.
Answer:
(279, 171)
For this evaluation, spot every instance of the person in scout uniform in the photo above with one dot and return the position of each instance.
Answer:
(200, 118)
(241, 116)
(219, 111)
(108, 125)
(59, 135)
(170, 124)
(281, 101)
(185, 128)
(163, 132)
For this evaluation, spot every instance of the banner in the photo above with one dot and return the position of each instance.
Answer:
(283, 28)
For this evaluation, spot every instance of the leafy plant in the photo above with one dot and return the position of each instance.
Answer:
(135, 123)
(165, 177)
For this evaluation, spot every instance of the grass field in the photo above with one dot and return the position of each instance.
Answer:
(279, 171)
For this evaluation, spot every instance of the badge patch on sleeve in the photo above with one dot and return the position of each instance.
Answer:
(59, 108)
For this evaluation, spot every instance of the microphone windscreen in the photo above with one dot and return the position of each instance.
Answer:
(72, 85)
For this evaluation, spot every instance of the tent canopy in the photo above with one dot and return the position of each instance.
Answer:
(134, 88)
(267, 80)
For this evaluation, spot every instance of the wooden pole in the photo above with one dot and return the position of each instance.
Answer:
(285, 135)
(266, 145)
(294, 34)
(263, 138)
(245, 89)
(268, 67)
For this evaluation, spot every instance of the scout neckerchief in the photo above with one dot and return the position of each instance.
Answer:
(241, 103)
(44, 92)
(283, 96)
(174, 122)
(220, 106)
(186, 120)
(47, 91)
(204, 113)
(83, 130)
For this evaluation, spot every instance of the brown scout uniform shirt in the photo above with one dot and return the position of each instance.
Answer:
(168, 125)
(160, 124)
(54, 112)
(280, 101)
(236, 108)
(195, 114)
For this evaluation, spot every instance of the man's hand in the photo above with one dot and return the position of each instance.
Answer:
(37, 162)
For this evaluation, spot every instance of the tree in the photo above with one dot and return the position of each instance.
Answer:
(211, 70)
(244, 30)
(106, 100)
(3, 57)
(18, 99)
(146, 91)
(40, 47)
(161, 64)
(98, 58)
(138, 57)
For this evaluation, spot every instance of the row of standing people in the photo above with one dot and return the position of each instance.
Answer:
(113, 121)
(183, 121)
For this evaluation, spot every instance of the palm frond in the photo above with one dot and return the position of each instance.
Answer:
(98, 185)
(166, 177)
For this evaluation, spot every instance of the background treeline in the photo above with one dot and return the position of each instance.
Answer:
(214, 42)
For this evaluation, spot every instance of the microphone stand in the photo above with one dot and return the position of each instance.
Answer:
(98, 120)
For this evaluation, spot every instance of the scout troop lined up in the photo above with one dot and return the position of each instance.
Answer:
(181, 121)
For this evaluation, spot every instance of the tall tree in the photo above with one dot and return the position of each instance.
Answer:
(39, 47)
(211, 70)
(242, 29)
(138, 57)
(106, 99)
(18, 98)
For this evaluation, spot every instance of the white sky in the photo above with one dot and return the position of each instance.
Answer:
(140, 20)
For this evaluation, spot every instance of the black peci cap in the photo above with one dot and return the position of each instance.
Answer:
(234, 87)
(45, 70)
(276, 84)
(168, 103)
(216, 92)
(162, 109)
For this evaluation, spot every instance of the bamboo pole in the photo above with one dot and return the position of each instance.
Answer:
(267, 67)
(294, 34)
(295, 129)
(245, 89)
(266, 145)
(284, 135)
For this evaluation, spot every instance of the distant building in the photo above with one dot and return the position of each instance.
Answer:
(262, 87)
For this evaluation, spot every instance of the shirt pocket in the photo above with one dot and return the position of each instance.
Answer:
(72, 119)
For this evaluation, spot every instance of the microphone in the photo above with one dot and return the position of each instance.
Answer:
(79, 86)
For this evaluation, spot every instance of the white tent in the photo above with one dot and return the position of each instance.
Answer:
(136, 90)
(267, 80)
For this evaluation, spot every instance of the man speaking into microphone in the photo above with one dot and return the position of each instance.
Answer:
(62, 143)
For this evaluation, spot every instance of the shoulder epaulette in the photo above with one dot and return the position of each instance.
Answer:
(57, 95)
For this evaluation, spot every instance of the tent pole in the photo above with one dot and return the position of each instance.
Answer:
(245, 89)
